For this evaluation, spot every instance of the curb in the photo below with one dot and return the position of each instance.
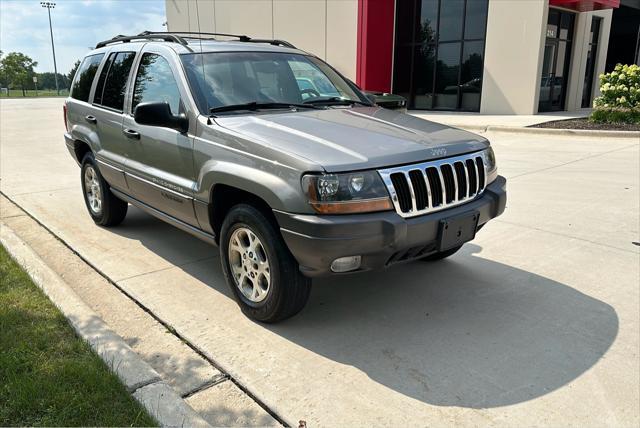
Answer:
(548, 131)
(142, 381)
(570, 132)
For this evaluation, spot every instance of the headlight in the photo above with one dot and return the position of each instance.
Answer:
(491, 159)
(356, 192)
(490, 164)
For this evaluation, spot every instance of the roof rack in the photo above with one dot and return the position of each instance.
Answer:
(181, 36)
(167, 37)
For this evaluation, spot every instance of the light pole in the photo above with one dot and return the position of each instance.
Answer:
(50, 5)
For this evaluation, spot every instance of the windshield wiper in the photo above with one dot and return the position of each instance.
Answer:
(335, 101)
(254, 105)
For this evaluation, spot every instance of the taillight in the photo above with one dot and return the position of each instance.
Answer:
(64, 114)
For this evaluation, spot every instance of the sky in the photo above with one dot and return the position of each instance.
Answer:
(77, 26)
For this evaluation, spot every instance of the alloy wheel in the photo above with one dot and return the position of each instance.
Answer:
(249, 264)
(92, 190)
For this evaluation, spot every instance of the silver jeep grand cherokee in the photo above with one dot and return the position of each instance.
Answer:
(270, 153)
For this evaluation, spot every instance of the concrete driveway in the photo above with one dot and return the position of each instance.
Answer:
(534, 323)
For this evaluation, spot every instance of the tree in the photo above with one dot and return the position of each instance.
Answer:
(47, 80)
(17, 70)
(72, 72)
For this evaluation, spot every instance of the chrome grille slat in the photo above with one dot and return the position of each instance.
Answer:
(442, 186)
(408, 194)
(426, 181)
(411, 191)
(466, 176)
(475, 168)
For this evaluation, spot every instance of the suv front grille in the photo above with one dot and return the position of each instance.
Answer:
(432, 186)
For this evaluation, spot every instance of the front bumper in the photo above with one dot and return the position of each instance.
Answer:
(382, 239)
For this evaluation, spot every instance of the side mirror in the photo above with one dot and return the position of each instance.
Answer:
(371, 98)
(159, 114)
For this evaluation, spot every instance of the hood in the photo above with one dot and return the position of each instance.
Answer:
(347, 139)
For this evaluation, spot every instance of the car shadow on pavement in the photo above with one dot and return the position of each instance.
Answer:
(465, 331)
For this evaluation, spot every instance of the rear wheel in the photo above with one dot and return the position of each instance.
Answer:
(103, 206)
(441, 254)
(259, 268)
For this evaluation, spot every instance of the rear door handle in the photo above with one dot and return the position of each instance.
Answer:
(130, 133)
(91, 119)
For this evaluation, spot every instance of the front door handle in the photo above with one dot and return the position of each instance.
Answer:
(130, 133)
(91, 119)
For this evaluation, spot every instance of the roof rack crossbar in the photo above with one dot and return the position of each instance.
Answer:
(275, 42)
(167, 37)
(241, 37)
(180, 36)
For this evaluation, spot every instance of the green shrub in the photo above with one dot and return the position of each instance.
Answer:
(619, 101)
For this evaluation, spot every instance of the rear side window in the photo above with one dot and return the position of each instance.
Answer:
(155, 83)
(84, 77)
(113, 82)
(97, 97)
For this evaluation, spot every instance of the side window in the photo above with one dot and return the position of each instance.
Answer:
(84, 77)
(112, 95)
(155, 83)
(97, 97)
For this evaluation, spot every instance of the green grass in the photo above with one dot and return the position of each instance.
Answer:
(17, 93)
(49, 376)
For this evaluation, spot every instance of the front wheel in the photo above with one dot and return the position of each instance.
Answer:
(259, 268)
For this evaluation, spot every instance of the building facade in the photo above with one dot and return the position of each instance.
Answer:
(487, 56)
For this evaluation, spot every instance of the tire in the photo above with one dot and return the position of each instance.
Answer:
(286, 291)
(441, 255)
(104, 207)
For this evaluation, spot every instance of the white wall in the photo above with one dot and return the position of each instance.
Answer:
(326, 28)
(512, 63)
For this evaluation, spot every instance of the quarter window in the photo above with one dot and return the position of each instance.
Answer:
(110, 90)
(84, 77)
(155, 83)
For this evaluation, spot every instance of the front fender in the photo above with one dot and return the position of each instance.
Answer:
(280, 188)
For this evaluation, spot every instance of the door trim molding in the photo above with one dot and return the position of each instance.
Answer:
(159, 186)
(207, 237)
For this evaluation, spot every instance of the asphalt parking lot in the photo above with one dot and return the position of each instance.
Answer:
(534, 323)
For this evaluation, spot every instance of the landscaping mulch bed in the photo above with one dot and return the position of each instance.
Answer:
(583, 123)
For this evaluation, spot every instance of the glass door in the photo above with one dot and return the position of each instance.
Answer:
(555, 62)
(546, 82)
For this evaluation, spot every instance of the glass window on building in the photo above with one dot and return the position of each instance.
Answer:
(592, 52)
(439, 53)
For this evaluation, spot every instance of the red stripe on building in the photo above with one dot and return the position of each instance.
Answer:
(375, 44)
(586, 5)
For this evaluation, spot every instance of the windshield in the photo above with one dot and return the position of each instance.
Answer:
(236, 78)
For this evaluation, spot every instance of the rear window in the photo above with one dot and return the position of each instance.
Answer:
(112, 83)
(84, 77)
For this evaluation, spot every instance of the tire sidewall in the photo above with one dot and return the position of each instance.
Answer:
(89, 160)
(252, 219)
